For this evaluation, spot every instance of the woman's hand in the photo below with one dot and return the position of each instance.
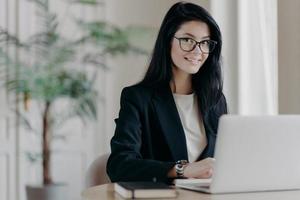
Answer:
(199, 169)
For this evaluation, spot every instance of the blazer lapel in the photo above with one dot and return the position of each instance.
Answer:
(170, 122)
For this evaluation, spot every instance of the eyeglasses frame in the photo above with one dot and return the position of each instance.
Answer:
(196, 44)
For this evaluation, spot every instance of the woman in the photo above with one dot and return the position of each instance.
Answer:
(168, 122)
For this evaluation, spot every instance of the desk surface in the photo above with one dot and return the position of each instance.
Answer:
(107, 192)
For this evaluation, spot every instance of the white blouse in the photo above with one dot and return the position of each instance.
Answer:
(196, 141)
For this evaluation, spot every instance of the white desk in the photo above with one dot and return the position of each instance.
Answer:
(106, 191)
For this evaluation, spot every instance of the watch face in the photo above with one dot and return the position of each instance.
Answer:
(182, 162)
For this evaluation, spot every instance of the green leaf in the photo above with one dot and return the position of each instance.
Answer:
(88, 2)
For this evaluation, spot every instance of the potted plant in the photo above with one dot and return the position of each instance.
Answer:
(49, 70)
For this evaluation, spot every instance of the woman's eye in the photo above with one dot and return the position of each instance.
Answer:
(188, 40)
(205, 42)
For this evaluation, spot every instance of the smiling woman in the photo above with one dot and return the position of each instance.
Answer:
(186, 53)
(168, 122)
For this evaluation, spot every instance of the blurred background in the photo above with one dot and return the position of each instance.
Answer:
(57, 54)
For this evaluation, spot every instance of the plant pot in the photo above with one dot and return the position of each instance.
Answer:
(56, 191)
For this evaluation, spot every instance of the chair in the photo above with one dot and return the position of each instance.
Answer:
(96, 173)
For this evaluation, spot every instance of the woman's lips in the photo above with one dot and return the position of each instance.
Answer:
(194, 61)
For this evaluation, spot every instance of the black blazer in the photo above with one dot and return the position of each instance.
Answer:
(149, 136)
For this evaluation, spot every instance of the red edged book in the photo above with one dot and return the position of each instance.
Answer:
(132, 190)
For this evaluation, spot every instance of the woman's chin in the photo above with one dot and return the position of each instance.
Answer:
(192, 69)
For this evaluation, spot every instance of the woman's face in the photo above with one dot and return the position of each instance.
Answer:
(189, 62)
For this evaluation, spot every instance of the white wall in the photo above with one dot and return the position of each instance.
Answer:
(9, 178)
(289, 54)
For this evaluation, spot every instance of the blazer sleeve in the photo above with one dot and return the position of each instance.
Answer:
(126, 162)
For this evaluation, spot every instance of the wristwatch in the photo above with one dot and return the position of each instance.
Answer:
(179, 167)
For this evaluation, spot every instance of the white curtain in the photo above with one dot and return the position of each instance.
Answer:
(250, 54)
(257, 57)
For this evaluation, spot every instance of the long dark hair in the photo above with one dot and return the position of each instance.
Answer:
(207, 82)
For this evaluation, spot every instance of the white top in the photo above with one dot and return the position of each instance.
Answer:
(196, 141)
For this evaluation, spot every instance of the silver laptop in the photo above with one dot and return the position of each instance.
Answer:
(254, 153)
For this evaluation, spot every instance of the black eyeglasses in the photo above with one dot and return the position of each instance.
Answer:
(189, 44)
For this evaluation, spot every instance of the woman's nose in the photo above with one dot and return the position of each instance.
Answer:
(197, 50)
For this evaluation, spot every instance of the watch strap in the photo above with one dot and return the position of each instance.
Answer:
(179, 167)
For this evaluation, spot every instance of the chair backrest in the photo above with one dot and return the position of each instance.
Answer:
(96, 173)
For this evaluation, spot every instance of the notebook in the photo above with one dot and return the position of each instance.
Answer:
(131, 190)
(254, 153)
